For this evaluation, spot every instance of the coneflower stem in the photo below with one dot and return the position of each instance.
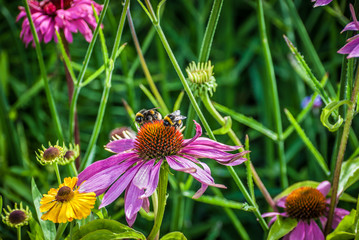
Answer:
(342, 147)
(162, 191)
(19, 233)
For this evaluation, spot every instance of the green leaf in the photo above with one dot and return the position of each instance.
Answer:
(281, 227)
(345, 229)
(178, 101)
(349, 174)
(36, 233)
(308, 143)
(104, 228)
(218, 201)
(48, 227)
(174, 236)
(295, 186)
(327, 112)
(0, 204)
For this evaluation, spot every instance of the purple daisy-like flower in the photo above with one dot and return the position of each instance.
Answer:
(352, 46)
(70, 16)
(136, 166)
(306, 204)
(319, 3)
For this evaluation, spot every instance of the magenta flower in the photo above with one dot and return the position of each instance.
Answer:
(319, 3)
(352, 46)
(70, 16)
(136, 166)
(306, 204)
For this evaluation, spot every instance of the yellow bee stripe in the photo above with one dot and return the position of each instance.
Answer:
(168, 119)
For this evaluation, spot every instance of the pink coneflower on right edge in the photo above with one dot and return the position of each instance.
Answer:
(352, 46)
(307, 204)
(136, 165)
(319, 3)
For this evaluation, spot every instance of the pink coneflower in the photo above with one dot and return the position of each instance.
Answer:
(319, 3)
(70, 16)
(307, 204)
(352, 47)
(136, 166)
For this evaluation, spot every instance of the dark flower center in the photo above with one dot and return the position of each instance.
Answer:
(51, 153)
(305, 203)
(64, 194)
(17, 216)
(156, 141)
(62, 4)
(69, 155)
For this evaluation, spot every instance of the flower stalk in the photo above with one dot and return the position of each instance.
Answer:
(162, 191)
(19, 233)
(342, 147)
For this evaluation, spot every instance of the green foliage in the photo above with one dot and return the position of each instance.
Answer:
(174, 236)
(345, 229)
(349, 174)
(106, 229)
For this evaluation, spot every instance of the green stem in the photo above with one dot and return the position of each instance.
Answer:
(273, 93)
(210, 30)
(60, 230)
(40, 58)
(56, 167)
(144, 66)
(106, 90)
(83, 71)
(342, 147)
(162, 190)
(74, 169)
(19, 233)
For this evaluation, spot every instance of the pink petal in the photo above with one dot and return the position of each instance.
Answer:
(121, 145)
(132, 202)
(201, 141)
(198, 133)
(141, 180)
(324, 187)
(298, 233)
(153, 182)
(313, 232)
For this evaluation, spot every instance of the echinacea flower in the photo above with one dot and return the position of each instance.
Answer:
(319, 3)
(16, 217)
(70, 16)
(307, 204)
(352, 46)
(66, 203)
(136, 166)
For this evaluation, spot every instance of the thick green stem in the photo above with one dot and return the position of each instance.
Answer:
(342, 147)
(273, 93)
(162, 191)
(40, 58)
(56, 167)
(106, 90)
(19, 233)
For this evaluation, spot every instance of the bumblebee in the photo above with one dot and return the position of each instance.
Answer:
(174, 119)
(147, 115)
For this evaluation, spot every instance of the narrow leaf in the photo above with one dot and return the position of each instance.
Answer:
(48, 227)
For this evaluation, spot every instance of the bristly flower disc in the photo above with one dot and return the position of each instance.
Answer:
(17, 217)
(135, 167)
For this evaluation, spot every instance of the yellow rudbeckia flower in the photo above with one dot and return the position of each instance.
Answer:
(66, 203)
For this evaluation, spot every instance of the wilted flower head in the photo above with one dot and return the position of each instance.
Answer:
(319, 3)
(50, 155)
(66, 202)
(136, 166)
(352, 46)
(70, 16)
(122, 132)
(200, 78)
(307, 204)
(17, 217)
(317, 102)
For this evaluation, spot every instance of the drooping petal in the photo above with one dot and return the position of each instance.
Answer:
(99, 182)
(119, 186)
(298, 233)
(313, 232)
(133, 202)
(198, 133)
(153, 182)
(146, 205)
(319, 3)
(206, 142)
(281, 202)
(103, 164)
(141, 180)
(119, 146)
(339, 214)
(324, 187)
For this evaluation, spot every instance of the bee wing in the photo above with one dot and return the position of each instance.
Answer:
(180, 117)
(177, 113)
